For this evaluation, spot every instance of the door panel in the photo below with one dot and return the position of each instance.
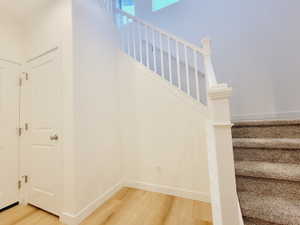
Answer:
(9, 140)
(43, 111)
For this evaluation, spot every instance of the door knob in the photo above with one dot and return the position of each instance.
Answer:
(54, 137)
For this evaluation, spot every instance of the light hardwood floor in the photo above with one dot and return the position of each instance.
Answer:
(128, 207)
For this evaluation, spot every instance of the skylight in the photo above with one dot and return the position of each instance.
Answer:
(127, 6)
(160, 4)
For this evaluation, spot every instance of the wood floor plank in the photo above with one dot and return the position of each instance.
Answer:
(16, 214)
(127, 207)
(34, 218)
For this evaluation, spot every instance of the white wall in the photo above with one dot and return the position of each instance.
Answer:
(163, 134)
(255, 49)
(11, 41)
(86, 40)
(10, 57)
(97, 137)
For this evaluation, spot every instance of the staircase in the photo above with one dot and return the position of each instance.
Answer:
(267, 165)
(188, 70)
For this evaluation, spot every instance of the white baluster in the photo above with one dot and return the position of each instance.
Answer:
(196, 74)
(133, 38)
(178, 65)
(123, 43)
(110, 6)
(170, 60)
(208, 65)
(128, 35)
(154, 51)
(140, 42)
(147, 46)
(187, 71)
(161, 56)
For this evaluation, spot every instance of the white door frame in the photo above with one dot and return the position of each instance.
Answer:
(10, 63)
(23, 120)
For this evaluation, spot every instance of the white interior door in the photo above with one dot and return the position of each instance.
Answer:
(9, 139)
(41, 115)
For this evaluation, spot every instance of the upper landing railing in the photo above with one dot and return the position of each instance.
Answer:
(182, 64)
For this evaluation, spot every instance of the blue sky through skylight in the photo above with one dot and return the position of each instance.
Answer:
(128, 6)
(159, 4)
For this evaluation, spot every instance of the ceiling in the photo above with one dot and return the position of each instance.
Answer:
(19, 9)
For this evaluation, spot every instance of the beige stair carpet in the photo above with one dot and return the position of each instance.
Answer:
(267, 163)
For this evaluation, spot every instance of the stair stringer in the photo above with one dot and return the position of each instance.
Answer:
(224, 199)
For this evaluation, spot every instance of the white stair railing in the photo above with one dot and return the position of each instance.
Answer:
(176, 60)
(108, 5)
(189, 68)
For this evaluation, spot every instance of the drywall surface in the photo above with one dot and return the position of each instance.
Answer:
(97, 136)
(11, 41)
(255, 49)
(163, 134)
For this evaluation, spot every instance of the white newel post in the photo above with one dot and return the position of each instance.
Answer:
(225, 205)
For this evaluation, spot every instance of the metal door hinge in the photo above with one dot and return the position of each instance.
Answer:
(19, 184)
(20, 82)
(26, 75)
(26, 126)
(25, 178)
(20, 131)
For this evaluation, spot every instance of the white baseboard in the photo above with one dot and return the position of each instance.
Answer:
(267, 116)
(75, 219)
(168, 190)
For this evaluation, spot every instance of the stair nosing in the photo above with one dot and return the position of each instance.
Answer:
(267, 143)
(276, 171)
(261, 123)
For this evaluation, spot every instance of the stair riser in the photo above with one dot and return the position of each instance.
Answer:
(276, 188)
(267, 155)
(266, 216)
(251, 221)
(290, 131)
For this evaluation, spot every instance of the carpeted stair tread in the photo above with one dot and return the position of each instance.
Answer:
(267, 166)
(258, 123)
(280, 171)
(267, 129)
(270, 209)
(267, 143)
(280, 188)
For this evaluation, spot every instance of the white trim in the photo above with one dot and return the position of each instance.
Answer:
(225, 125)
(75, 219)
(220, 91)
(42, 54)
(267, 116)
(168, 190)
(10, 61)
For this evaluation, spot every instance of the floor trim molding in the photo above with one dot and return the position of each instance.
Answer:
(267, 116)
(168, 190)
(76, 219)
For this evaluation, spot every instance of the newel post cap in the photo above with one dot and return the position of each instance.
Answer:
(219, 91)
